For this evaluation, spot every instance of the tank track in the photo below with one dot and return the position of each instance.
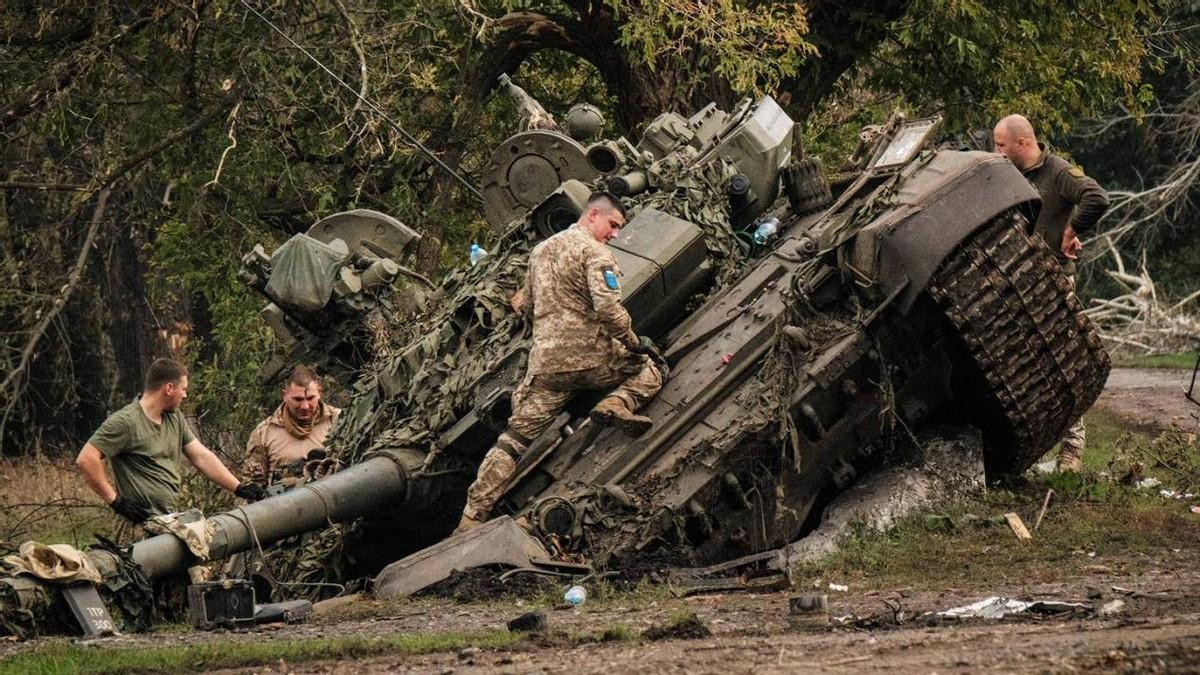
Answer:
(1041, 360)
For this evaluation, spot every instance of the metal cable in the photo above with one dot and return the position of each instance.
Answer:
(409, 138)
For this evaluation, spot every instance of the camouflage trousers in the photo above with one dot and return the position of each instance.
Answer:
(537, 401)
(1071, 448)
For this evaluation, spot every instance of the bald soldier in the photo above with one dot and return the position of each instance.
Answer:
(1072, 204)
(582, 340)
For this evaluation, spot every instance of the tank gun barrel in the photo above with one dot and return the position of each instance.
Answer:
(362, 489)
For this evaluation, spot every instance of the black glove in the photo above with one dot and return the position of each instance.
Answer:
(132, 509)
(644, 346)
(251, 492)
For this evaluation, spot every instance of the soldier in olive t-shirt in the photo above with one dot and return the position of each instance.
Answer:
(145, 443)
(146, 458)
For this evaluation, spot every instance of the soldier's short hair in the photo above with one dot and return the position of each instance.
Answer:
(302, 376)
(163, 371)
(606, 200)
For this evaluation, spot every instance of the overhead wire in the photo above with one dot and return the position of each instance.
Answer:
(408, 138)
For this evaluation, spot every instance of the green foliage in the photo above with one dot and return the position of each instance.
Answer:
(277, 144)
(1055, 62)
(753, 46)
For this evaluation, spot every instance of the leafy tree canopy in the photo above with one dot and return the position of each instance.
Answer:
(206, 132)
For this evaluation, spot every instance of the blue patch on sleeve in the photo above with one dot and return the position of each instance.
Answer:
(610, 279)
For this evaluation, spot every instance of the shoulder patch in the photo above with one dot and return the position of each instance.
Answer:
(610, 278)
(1076, 171)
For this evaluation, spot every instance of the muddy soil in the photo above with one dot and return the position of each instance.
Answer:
(1150, 399)
(1158, 630)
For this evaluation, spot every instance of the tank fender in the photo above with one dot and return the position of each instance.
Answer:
(943, 203)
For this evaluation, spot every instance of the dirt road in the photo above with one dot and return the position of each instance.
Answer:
(1149, 398)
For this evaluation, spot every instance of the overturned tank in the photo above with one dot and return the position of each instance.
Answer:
(905, 293)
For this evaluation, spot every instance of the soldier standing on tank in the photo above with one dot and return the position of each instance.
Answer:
(144, 442)
(1072, 204)
(582, 340)
(295, 429)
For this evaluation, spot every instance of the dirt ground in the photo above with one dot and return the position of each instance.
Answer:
(1157, 628)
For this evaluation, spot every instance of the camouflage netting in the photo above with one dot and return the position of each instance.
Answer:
(413, 392)
(409, 397)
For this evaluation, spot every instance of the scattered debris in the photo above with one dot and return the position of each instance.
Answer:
(221, 604)
(1195, 509)
(997, 607)
(842, 588)
(575, 596)
(468, 654)
(1148, 483)
(289, 612)
(531, 622)
(1175, 494)
(683, 625)
(1111, 608)
(1042, 514)
(892, 618)
(808, 610)
(683, 587)
(1018, 526)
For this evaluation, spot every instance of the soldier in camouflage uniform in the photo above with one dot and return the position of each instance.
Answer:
(1072, 204)
(280, 445)
(582, 340)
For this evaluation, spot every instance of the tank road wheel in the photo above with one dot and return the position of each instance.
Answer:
(1031, 362)
(806, 186)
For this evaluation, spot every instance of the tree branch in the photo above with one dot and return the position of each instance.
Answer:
(11, 386)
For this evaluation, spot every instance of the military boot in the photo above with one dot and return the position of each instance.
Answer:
(613, 410)
(1070, 459)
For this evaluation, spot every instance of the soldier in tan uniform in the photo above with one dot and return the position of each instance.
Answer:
(299, 425)
(1072, 204)
(582, 340)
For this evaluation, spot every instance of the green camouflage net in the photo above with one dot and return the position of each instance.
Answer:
(409, 397)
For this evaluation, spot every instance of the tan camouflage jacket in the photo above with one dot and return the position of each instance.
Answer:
(271, 447)
(573, 291)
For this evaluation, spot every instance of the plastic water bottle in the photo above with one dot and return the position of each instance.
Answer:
(766, 230)
(477, 253)
(575, 596)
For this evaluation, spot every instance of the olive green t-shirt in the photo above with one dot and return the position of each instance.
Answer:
(145, 457)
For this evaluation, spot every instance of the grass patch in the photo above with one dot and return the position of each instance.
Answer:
(1182, 360)
(1106, 436)
(61, 657)
(683, 624)
(46, 500)
(1087, 516)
